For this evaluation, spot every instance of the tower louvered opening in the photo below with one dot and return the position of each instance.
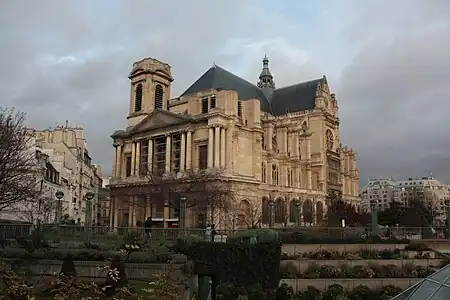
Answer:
(159, 97)
(138, 98)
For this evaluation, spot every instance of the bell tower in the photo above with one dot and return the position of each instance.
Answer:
(266, 82)
(150, 88)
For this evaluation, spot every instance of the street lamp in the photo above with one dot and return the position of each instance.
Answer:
(447, 222)
(88, 217)
(271, 205)
(374, 208)
(182, 216)
(297, 204)
(59, 195)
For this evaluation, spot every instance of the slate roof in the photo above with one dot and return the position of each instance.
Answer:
(294, 98)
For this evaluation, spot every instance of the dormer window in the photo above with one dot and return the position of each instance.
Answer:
(239, 108)
(212, 102)
(204, 105)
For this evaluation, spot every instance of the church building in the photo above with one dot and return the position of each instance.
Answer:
(277, 148)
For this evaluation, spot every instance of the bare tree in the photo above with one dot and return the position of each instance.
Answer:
(42, 210)
(248, 214)
(19, 170)
(206, 191)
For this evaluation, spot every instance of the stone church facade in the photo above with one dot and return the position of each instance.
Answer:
(272, 145)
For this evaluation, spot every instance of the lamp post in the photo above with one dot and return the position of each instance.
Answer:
(297, 212)
(271, 205)
(447, 221)
(182, 216)
(59, 195)
(373, 205)
(88, 217)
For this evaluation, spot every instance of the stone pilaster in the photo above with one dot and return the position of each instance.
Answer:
(229, 146)
(114, 164)
(269, 136)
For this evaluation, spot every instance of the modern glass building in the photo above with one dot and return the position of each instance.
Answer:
(434, 287)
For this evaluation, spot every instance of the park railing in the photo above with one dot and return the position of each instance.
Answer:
(79, 233)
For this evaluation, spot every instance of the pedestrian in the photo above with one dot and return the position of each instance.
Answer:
(148, 228)
(208, 232)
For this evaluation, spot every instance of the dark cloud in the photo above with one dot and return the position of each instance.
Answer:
(387, 61)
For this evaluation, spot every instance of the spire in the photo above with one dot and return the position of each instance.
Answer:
(266, 78)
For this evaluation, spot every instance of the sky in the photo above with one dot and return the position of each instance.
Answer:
(388, 62)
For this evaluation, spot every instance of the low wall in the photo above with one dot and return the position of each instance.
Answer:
(304, 264)
(373, 283)
(302, 248)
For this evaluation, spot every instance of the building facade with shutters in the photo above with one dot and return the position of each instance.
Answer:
(269, 143)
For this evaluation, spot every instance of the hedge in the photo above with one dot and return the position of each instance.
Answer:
(239, 264)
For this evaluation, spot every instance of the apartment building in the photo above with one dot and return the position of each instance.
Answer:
(428, 190)
(69, 145)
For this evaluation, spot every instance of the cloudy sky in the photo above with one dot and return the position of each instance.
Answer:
(387, 61)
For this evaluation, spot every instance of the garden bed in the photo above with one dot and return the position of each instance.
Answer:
(292, 269)
(425, 263)
(349, 284)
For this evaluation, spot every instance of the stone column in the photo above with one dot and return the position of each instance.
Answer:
(133, 158)
(229, 146)
(295, 145)
(183, 152)
(269, 136)
(138, 158)
(114, 164)
(189, 150)
(150, 156)
(210, 147)
(119, 162)
(168, 152)
(222, 147)
(217, 147)
(284, 143)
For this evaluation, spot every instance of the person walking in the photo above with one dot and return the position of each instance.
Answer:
(148, 228)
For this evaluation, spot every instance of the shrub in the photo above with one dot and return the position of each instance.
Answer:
(333, 292)
(289, 269)
(416, 246)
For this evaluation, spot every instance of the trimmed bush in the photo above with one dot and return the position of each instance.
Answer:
(240, 264)
(254, 235)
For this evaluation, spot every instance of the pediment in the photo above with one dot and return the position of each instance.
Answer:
(158, 119)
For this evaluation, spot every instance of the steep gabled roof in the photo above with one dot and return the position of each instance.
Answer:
(294, 98)
(298, 97)
(221, 79)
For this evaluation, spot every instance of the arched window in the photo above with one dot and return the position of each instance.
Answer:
(138, 98)
(159, 97)
(280, 211)
(329, 139)
(263, 172)
(274, 174)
